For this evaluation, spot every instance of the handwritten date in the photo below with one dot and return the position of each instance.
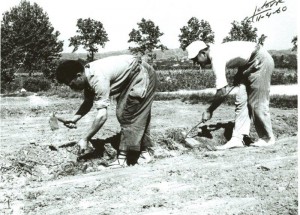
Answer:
(268, 9)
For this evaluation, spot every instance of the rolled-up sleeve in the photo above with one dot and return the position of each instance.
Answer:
(101, 86)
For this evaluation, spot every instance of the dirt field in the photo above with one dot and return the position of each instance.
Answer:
(39, 177)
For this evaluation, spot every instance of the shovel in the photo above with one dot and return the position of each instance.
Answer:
(53, 122)
(189, 136)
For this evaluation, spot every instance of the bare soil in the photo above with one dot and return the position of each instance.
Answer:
(40, 177)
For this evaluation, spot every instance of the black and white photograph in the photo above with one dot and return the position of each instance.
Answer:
(149, 107)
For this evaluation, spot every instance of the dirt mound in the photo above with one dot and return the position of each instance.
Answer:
(51, 162)
(46, 162)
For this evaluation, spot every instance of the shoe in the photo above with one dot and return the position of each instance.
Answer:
(145, 157)
(119, 163)
(234, 142)
(263, 143)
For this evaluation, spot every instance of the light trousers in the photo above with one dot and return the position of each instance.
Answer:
(253, 97)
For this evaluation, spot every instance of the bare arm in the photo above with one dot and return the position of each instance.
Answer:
(217, 101)
(84, 108)
(219, 98)
(97, 124)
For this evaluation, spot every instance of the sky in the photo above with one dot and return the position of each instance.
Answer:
(119, 17)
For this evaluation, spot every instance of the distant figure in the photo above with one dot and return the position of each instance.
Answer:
(133, 82)
(253, 79)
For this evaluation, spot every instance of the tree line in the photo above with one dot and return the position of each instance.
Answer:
(29, 41)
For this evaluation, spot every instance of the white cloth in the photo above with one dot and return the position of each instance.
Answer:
(230, 54)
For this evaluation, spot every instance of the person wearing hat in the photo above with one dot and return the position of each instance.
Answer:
(133, 82)
(253, 79)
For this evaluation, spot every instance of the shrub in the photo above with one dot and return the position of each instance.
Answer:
(276, 101)
(284, 76)
(37, 84)
(284, 101)
(62, 91)
(288, 61)
(174, 80)
(12, 86)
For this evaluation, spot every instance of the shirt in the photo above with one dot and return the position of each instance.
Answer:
(106, 77)
(230, 54)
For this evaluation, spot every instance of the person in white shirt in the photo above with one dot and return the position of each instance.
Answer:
(255, 66)
(133, 82)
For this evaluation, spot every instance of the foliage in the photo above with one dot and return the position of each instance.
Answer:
(174, 80)
(62, 91)
(288, 61)
(261, 39)
(13, 86)
(243, 31)
(34, 84)
(146, 39)
(173, 64)
(196, 30)
(28, 40)
(90, 34)
(276, 101)
(284, 77)
(284, 101)
(49, 68)
(295, 43)
(185, 80)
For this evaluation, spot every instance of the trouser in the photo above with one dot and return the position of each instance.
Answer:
(253, 97)
(134, 110)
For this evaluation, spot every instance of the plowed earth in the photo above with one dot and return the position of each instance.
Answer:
(38, 176)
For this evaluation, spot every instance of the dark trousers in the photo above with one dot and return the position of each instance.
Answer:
(134, 109)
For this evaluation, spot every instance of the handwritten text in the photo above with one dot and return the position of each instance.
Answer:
(268, 9)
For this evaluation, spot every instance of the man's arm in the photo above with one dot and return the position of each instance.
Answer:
(218, 99)
(98, 122)
(84, 108)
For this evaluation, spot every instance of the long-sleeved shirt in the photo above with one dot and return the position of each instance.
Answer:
(230, 54)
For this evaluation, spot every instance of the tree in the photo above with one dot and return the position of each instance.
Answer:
(28, 40)
(243, 31)
(90, 34)
(146, 39)
(261, 39)
(295, 43)
(196, 30)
